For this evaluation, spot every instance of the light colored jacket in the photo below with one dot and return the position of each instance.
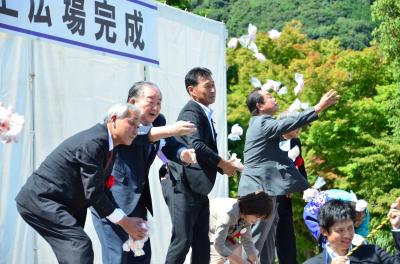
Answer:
(224, 215)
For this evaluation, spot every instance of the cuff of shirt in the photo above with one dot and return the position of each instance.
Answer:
(116, 216)
(395, 229)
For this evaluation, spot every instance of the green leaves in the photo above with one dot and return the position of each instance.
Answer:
(387, 14)
(355, 145)
(350, 20)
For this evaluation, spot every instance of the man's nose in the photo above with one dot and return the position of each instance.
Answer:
(349, 234)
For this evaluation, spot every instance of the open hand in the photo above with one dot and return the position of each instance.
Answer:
(394, 214)
(188, 156)
(228, 166)
(328, 99)
(253, 259)
(133, 226)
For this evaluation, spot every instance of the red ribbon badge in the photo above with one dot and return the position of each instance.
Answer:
(110, 182)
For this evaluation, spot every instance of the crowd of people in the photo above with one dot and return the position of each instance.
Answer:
(105, 168)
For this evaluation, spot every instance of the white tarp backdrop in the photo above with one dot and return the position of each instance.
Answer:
(61, 91)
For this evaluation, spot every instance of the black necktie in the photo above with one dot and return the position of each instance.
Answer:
(213, 129)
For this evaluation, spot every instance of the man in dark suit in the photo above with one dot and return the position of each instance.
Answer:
(285, 241)
(55, 198)
(268, 168)
(131, 190)
(336, 219)
(186, 188)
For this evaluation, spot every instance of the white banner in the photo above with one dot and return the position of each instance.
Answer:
(123, 28)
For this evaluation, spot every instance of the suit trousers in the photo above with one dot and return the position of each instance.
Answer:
(67, 238)
(285, 238)
(190, 223)
(264, 233)
(113, 236)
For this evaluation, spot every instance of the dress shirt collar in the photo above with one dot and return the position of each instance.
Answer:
(144, 129)
(110, 141)
(332, 254)
(208, 111)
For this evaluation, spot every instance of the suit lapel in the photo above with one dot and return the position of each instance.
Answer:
(109, 157)
(211, 129)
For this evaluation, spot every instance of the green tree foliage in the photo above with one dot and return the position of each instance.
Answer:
(182, 4)
(354, 145)
(387, 13)
(350, 20)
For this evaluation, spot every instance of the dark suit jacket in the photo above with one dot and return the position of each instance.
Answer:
(73, 175)
(199, 177)
(364, 254)
(266, 166)
(132, 165)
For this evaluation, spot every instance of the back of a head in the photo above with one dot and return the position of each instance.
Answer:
(335, 211)
(254, 98)
(258, 203)
(136, 90)
(121, 111)
(193, 75)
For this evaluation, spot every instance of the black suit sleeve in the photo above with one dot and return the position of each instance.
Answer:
(90, 158)
(375, 254)
(160, 121)
(387, 258)
(197, 139)
(396, 237)
(172, 149)
(396, 257)
(141, 140)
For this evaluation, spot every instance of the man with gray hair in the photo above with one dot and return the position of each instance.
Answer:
(55, 198)
(131, 190)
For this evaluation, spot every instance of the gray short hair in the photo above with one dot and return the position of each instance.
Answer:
(121, 111)
(136, 91)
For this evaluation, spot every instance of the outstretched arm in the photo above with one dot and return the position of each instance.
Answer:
(180, 128)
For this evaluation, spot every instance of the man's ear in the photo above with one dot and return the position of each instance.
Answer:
(113, 120)
(132, 101)
(191, 92)
(259, 107)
